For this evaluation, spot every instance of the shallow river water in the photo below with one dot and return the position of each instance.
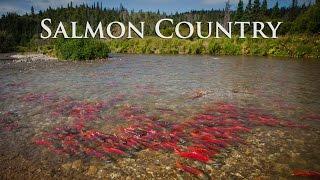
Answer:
(160, 117)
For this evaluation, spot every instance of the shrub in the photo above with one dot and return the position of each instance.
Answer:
(196, 47)
(81, 49)
(214, 47)
(230, 48)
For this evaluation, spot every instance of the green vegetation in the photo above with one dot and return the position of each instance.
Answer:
(80, 49)
(308, 22)
(299, 33)
(287, 46)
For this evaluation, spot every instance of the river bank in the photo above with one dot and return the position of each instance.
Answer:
(25, 57)
(302, 47)
(286, 46)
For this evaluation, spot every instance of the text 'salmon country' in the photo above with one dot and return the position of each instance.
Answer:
(214, 29)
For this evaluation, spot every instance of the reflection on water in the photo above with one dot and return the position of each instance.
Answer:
(160, 117)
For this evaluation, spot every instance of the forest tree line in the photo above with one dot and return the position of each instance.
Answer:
(19, 30)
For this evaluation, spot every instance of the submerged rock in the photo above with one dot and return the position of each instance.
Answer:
(77, 164)
(92, 171)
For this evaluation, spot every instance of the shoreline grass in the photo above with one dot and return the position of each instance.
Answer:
(285, 46)
(296, 46)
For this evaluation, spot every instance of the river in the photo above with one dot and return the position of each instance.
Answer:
(162, 117)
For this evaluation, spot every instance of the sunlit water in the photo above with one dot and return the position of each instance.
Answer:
(40, 99)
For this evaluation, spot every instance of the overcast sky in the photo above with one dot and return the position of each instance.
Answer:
(23, 6)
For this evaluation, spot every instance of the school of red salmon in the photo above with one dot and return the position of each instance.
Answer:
(199, 138)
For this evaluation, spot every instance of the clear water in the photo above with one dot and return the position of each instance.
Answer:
(172, 88)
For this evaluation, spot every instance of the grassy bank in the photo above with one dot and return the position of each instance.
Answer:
(287, 46)
(84, 49)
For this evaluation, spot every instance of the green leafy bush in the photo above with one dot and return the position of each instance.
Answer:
(214, 47)
(81, 49)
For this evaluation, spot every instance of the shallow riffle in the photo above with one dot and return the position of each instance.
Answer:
(141, 116)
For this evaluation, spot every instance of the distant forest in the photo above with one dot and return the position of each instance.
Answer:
(18, 30)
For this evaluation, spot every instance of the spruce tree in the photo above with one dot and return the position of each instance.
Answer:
(32, 10)
(276, 10)
(264, 7)
(294, 12)
(294, 4)
(249, 6)
(256, 6)
(248, 13)
(239, 13)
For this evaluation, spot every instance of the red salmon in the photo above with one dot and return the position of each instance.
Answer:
(191, 170)
(194, 155)
(306, 173)
(114, 151)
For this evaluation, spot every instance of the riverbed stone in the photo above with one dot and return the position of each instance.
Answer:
(76, 164)
(92, 170)
(67, 166)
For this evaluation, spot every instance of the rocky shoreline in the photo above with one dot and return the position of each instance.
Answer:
(25, 57)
